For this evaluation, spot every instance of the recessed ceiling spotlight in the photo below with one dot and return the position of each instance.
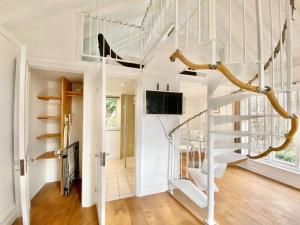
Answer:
(122, 85)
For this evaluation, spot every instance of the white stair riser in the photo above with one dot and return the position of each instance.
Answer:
(217, 102)
(225, 119)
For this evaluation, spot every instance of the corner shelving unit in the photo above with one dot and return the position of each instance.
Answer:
(48, 154)
(65, 101)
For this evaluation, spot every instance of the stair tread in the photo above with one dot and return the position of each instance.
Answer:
(231, 132)
(200, 179)
(192, 192)
(222, 151)
(232, 145)
(230, 158)
(223, 119)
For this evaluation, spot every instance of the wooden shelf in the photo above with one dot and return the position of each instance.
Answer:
(74, 93)
(47, 98)
(47, 136)
(47, 155)
(45, 117)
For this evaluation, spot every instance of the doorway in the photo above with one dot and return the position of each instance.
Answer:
(120, 138)
(55, 115)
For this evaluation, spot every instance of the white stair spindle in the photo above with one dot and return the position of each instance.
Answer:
(199, 21)
(244, 31)
(90, 34)
(230, 31)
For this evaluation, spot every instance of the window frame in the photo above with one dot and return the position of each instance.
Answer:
(118, 111)
(269, 131)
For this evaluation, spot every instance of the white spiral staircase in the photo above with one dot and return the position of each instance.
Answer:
(244, 36)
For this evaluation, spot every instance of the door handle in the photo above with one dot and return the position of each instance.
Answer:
(102, 156)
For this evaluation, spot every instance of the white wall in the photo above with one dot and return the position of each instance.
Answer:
(38, 175)
(8, 55)
(153, 146)
(53, 171)
(77, 123)
(56, 38)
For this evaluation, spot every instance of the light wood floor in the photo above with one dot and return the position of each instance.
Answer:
(244, 199)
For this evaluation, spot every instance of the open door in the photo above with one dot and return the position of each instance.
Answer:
(21, 114)
(101, 154)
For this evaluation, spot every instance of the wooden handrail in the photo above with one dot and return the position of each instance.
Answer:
(246, 86)
(186, 121)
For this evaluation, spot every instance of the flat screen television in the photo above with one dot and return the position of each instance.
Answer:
(162, 102)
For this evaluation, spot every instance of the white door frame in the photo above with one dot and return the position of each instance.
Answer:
(89, 70)
(133, 74)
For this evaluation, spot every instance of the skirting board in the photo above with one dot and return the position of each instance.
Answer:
(153, 188)
(282, 175)
(9, 216)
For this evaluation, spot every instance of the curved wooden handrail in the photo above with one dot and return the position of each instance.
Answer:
(186, 121)
(246, 86)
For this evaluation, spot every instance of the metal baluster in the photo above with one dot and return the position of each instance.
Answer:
(230, 30)
(90, 35)
(188, 148)
(281, 50)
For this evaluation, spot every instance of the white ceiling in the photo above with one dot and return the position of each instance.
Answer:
(15, 14)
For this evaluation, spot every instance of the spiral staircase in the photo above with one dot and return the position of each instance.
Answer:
(202, 31)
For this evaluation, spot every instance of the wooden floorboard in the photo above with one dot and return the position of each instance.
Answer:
(244, 199)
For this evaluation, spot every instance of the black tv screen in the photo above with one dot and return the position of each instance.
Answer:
(161, 102)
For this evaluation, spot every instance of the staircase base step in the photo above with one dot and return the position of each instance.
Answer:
(192, 192)
(200, 179)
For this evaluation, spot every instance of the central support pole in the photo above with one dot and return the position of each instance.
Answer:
(176, 24)
(259, 21)
(210, 139)
(289, 64)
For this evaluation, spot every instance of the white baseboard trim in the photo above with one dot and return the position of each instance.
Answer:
(282, 175)
(153, 188)
(9, 216)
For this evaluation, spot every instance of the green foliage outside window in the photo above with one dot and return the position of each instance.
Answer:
(112, 120)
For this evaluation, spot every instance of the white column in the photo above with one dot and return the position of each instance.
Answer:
(187, 23)
(176, 24)
(261, 76)
(210, 138)
(199, 21)
(289, 53)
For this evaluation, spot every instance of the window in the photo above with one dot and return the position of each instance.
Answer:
(269, 129)
(112, 113)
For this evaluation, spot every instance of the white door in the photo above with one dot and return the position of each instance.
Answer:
(21, 114)
(101, 154)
